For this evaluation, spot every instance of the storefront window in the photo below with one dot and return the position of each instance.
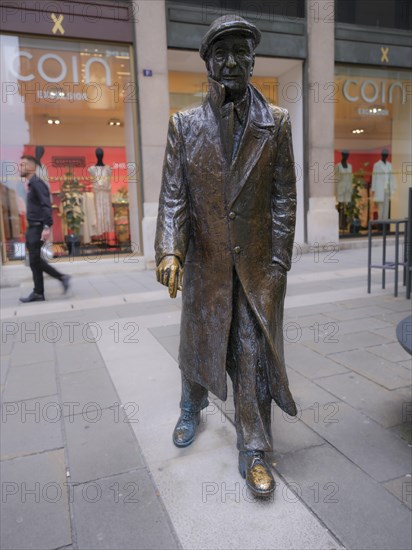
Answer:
(70, 105)
(373, 160)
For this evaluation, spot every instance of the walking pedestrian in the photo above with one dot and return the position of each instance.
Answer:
(39, 221)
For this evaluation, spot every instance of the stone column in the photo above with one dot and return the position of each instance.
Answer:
(322, 216)
(151, 46)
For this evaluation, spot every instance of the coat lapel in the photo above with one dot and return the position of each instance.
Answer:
(259, 127)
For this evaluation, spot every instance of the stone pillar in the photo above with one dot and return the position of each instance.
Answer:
(151, 46)
(322, 216)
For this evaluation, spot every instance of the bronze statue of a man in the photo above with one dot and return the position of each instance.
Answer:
(227, 217)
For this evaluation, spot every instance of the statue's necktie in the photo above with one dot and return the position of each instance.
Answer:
(227, 127)
(231, 130)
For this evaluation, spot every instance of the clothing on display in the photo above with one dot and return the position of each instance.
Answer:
(89, 226)
(343, 178)
(383, 185)
(101, 183)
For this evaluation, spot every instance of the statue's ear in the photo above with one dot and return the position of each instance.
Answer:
(253, 64)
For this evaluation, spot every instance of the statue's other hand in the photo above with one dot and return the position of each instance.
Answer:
(170, 273)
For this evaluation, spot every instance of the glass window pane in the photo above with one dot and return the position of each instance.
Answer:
(69, 104)
(373, 158)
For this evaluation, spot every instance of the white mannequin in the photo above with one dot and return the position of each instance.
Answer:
(101, 181)
(383, 184)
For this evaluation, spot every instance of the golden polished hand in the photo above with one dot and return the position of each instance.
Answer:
(170, 273)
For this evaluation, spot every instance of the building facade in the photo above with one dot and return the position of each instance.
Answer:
(79, 77)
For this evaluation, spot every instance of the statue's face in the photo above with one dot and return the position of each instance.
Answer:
(231, 62)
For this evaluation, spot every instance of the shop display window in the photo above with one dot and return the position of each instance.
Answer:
(71, 106)
(373, 157)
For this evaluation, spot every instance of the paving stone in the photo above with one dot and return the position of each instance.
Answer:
(396, 304)
(30, 381)
(168, 330)
(346, 342)
(391, 351)
(126, 514)
(309, 363)
(383, 372)
(145, 308)
(380, 404)
(312, 309)
(4, 368)
(366, 302)
(37, 519)
(356, 325)
(7, 338)
(84, 387)
(36, 349)
(349, 314)
(31, 426)
(402, 489)
(396, 317)
(308, 394)
(404, 431)
(101, 443)
(359, 511)
(171, 344)
(77, 357)
(290, 434)
(209, 486)
(406, 364)
(361, 440)
(307, 320)
(388, 332)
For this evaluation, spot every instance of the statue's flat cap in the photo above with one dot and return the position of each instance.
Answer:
(225, 25)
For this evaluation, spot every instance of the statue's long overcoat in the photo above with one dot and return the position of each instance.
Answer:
(216, 216)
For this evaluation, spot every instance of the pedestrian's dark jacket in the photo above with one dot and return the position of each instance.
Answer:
(38, 202)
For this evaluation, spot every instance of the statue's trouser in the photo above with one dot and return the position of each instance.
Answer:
(246, 359)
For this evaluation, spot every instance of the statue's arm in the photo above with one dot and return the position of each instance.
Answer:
(173, 226)
(283, 196)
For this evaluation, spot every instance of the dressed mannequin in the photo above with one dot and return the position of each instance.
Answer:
(343, 179)
(101, 176)
(383, 184)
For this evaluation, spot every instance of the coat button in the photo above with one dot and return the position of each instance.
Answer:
(237, 249)
(232, 215)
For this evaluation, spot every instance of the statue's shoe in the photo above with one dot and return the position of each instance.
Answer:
(186, 428)
(253, 468)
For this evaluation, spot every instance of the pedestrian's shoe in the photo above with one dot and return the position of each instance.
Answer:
(65, 281)
(253, 468)
(186, 427)
(33, 297)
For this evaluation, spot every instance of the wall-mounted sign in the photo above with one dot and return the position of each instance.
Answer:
(384, 57)
(67, 67)
(147, 72)
(57, 23)
(79, 162)
(372, 91)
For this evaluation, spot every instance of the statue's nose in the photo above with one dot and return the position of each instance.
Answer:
(230, 61)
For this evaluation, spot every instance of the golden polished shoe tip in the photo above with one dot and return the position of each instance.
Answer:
(259, 478)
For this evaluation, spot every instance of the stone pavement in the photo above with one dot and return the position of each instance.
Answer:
(90, 391)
